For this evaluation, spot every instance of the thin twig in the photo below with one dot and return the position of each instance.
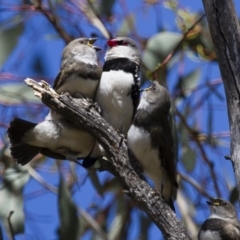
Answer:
(195, 184)
(54, 20)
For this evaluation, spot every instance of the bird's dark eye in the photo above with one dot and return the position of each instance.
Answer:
(124, 43)
(81, 41)
(154, 88)
(223, 203)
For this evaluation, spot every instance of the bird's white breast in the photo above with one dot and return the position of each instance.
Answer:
(140, 144)
(115, 100)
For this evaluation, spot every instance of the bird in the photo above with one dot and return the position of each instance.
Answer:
(222, 224)
(80, 73)
(151, 142)
(118, 91)
(56, 137)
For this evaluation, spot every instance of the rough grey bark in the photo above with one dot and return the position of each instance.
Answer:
(83, 114)
(225, 32)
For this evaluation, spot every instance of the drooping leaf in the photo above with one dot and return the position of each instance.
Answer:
(69, 221)
(16, 93)
(188, 154)
(158, 47)
(145, 224)
(188, 158)
(188, 82)
(96, 183)
(11, 198)
(127, 26)
(8, 40)
(233, 195)
(106, 7)
(119, 219)
(200, 42)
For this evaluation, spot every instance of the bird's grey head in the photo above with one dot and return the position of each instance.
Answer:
(123, 47)
(155, 100)
(82, 50)
(222, 209)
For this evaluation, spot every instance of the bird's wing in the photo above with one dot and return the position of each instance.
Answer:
(81, 69)
(230, 231)
(48, 153)
(162, 138)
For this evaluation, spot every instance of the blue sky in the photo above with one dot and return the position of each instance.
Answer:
(38, 53)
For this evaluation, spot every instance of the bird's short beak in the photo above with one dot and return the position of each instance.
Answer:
(91, 41)
(96, 48)
(147, 89)
(112, 43)
(213, 202)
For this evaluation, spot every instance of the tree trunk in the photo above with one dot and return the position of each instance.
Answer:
(225, 32)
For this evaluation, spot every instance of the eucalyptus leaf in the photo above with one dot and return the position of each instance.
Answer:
(96, 183)
(188, 83)
(16, 93)
(158, 47)
(145, 224)
(233, 195)
(188, 158)
(127, 25)
(8, 40)
(69, 221)
(11, 198)
(106, 7)
(119, 219)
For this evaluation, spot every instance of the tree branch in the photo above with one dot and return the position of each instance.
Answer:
(225, 32)
(82, 113)
(53, 19)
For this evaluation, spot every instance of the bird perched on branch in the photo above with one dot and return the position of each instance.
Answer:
(118, 91)
(150, 140)
(223, 222)
(56, 137)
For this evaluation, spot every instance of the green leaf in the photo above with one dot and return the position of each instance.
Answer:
(96, 183)
(8, 40)
(127, 26)
(188, 158)
(145, 224)
(119, 219)
(16, 93)
(233, 195)
(158, 47)
(106, 7)
(11, 198)
(186, 84)
(69, 222)
(187, 153)
(200, 42)
(190, 81)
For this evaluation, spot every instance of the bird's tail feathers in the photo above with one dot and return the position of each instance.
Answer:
(21, 152)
